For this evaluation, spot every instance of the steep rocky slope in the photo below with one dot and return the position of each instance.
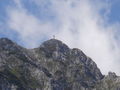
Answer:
(51, 66)
(109, 82)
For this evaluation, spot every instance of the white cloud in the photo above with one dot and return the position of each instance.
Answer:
(30, 29)
(79, 23)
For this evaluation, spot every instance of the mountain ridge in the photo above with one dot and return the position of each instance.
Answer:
(51, 66)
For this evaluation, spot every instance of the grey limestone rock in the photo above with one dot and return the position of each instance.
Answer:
(51, 66)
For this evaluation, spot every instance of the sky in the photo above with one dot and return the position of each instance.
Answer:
(90, 25)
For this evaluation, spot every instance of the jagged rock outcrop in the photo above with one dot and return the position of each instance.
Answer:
(109, 82)
(78, 69)
(52, 66)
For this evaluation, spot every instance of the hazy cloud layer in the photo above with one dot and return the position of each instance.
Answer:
(78, 23)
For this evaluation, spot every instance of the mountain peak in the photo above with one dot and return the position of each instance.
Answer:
(5, 40)
(9, 45)
(6, 43)
(54, 45)
(53, 42)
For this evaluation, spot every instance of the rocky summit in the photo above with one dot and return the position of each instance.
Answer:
(51, 66)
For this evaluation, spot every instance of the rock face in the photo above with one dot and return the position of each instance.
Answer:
(51, 66)
(110, 82)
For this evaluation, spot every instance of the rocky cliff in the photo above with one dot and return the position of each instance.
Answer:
(51, 66)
